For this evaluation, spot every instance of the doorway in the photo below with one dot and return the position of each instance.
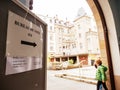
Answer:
(103, 39)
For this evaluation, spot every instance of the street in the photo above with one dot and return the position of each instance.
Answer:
(56, 83)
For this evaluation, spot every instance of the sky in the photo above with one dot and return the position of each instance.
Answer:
(62, 8)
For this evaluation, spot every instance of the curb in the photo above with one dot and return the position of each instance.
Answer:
(76, 78)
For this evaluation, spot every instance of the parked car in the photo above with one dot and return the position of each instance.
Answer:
(56, 65)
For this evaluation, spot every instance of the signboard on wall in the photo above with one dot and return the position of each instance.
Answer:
(24, 45)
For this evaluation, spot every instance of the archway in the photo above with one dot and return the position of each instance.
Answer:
(96, 7)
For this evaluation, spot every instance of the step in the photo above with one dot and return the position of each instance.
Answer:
(76, 78)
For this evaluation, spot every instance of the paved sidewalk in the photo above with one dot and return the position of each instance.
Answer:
(58, 83)
(86, 74)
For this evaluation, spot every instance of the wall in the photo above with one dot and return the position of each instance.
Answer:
(22, 78)
(111, 11)
(113, 20)
(103, 39)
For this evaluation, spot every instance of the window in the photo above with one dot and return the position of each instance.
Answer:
(51, 37)
(63, 47)
(55, 21)
(81, 46)
(51, 48)
(50, 20)
(79, 27)
(79, 35)
(88, 40)
(59, 22)
(50, 27)
(63, 53)
(74, 45)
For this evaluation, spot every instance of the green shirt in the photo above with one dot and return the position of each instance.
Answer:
(100, 73)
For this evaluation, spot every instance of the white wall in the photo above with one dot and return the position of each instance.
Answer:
(112, 35)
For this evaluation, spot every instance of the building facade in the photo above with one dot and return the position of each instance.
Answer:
(77, 40)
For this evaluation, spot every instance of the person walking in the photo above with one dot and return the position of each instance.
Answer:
(100, 74)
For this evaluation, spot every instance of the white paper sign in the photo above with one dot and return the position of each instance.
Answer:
(24, 45)
(22, 64)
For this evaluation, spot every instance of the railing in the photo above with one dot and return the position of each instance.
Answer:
(88, 72)
(84, 72)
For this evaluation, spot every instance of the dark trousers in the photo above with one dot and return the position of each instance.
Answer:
(103, 84)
